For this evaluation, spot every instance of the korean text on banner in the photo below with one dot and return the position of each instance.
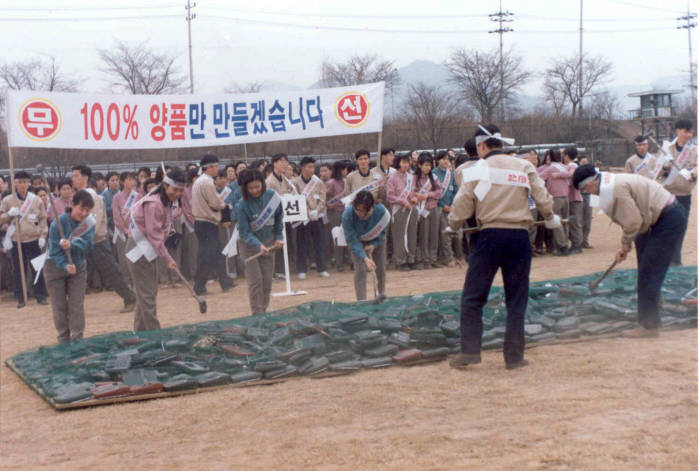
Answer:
(83, 121)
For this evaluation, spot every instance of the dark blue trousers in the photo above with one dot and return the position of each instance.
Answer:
(685, 206)
(653, 259)
(29, 251)
(209, 257)
(313, 232)
(509, 250)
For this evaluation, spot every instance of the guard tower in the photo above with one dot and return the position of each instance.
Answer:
(656, 112)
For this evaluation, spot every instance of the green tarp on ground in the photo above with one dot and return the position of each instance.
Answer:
(320, 337)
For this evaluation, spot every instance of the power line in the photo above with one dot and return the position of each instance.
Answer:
(631, 4)
(341, 15)
(97, 18)
(61, 9)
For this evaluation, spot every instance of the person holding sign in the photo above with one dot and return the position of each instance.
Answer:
(652, 218)
(26, 215)
(66, 279)
(365, 224)
(207, 207)
(150, 225)
(681, 174)
(259, 217)
(313, 190)
(496, 190)
(402, 198)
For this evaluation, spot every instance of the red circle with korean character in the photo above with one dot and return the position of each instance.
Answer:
(39, 119)
(352, 109)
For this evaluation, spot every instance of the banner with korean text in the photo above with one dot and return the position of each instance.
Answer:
(86, 121)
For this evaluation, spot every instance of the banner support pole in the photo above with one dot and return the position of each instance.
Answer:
(19, 231)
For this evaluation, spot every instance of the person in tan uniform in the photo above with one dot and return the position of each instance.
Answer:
(680, 177)
(100, 254)
(363, 178)
(206, 208)
(278, 181)
(641, 162)
(652, 218)
(314, 191)
(26, 209)
(466, 241)
(496, 190)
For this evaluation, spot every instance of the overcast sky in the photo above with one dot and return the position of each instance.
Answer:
(285, 42)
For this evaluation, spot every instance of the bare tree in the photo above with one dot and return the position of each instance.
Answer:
(138, 69)
(36, 74)
(477, 76)
(561, 79)
(358, 70)
(429, 110)
(249, 87)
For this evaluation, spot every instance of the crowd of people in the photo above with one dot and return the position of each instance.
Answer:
(136, 232)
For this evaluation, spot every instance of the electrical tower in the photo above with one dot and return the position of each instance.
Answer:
(190, 16)
(501, 17)
(690, 23)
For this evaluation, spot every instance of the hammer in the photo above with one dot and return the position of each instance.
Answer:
(40, 169)
(594, 284)
(200, 299)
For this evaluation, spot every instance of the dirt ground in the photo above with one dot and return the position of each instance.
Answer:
(603, 404)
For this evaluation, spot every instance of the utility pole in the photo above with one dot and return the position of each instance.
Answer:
(690, 24)
(190, 16)
(579, 91)
(501, 17)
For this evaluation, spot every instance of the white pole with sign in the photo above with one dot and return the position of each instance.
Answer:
(294, 207)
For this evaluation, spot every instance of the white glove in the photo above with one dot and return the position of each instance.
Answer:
(553, 223)
(14, 211)
(42, 243)
(313, 215)
(685, 173)
(449, 230)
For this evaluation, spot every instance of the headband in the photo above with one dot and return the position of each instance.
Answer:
(587, 180)
(171, 182)
(481, 138)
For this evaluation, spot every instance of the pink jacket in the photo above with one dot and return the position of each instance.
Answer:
(118, 202)
(154, 220)
(433, 196)
(395, 186)
(574, 194)
(556, 180)
(335, 188)
(186, 204)
(61, 206)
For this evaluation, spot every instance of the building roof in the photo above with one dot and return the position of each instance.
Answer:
(655, 92)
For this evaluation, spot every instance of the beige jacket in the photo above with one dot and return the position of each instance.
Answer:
(100, 214)
(316, 200)
(504, 206)
(680, 186)
(281, 187)
(632, 162)
(354, 181)
(33, 225)
(206, 203)
(381, 194)
(458, 171)
(637, 204)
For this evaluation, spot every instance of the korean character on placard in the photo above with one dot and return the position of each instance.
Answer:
(159, 117)
(276, 117)
(301, 114)
(221, 117)
(311, 105)
(197, 118)
(240, 118)
(258, 118)
(178, 121)
(292, 208)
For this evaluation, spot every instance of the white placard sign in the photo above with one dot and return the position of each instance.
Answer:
(294, 207)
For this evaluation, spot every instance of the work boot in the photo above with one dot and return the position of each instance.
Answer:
(462, 360)
(561, 253)
(573, 250)
(586, 245)
(516, 364)
(641, 332)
